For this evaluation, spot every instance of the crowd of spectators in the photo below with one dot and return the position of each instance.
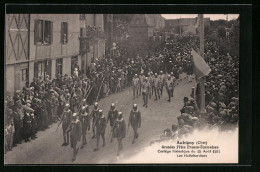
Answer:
(41, 102)
(221, 93)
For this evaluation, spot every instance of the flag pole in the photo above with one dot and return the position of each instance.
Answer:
(201, 81)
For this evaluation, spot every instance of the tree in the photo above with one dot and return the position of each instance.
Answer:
(221, 31)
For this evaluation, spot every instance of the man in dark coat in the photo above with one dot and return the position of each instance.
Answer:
(100, 125)
(94, 116)
(27, 123)
(18, 122)
(112, 116)
(135, 121)
(85, 122)
(119, 131)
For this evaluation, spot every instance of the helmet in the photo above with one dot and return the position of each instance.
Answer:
(74, 115)
(120, 115)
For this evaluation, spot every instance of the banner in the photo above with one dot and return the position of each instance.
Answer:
(200, 66)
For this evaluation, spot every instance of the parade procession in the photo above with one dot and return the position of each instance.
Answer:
(103, 91)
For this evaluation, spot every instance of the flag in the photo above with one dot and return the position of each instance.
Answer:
(200, 66)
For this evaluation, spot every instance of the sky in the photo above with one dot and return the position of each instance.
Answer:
(211, 16)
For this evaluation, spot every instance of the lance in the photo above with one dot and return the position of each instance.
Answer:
(85, 95)
(85, 98)
(100, 88)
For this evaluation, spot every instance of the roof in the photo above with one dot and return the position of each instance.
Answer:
(146, 20)
(150, 19)
(171, 22)
(185, 22)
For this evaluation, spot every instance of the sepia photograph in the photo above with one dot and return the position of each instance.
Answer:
(121, 88)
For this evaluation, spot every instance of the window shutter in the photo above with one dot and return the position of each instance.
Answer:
(36, 31)
(51, 32)
(61, 33)
(67, 32)
(36, 69)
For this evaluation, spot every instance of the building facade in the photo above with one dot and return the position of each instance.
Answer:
(49, 44)
(143, 26)
(184, 26)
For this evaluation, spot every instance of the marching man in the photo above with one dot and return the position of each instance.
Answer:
(161, 81)
(66, 120)
(119, 131)
(145, 87)
(94, 116)
(156, 87)
(85, 122)
(100, 125)
(135, 84)
(75, 130)
(141, 81)
(169, 87)
(135, 121)
(112, 117)
(173, 82)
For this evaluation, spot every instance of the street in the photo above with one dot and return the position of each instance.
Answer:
(159, 115)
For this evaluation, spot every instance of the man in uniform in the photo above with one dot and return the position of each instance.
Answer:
(75, 130)
(145, 87)
(135, 121)
(66, 120)
(173, 82)
(100, 125)
(150, 80)
(94, 115)
(169, 87)
(119, 131)
(135, 84)
(141, 81)
(156, 87)
(112, 116)
(161, 81)
(85, 122)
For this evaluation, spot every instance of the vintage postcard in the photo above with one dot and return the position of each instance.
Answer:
(121, 88)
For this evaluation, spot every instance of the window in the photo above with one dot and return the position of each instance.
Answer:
(82, 16)
(59, 67)
(41, 68)
(43, 32)
(25, 74)
(64, 33)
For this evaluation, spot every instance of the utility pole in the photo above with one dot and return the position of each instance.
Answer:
(201, 81)
(111, 27)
